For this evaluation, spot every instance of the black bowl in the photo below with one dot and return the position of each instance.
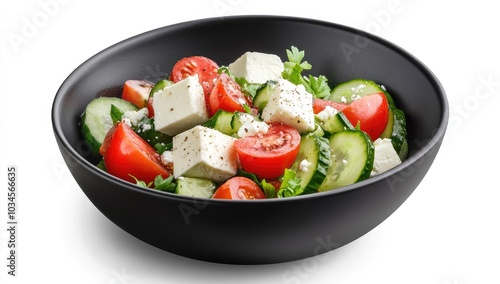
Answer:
(264, 231)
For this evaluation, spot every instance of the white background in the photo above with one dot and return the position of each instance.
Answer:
(447, 232)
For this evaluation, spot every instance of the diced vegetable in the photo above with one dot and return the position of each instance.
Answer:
(267, 155)
(312, 162)
(129, 157)
(238, 188)
(263, 94)
(351, 161)
(137, 92)
(96, 119)
(371, 112)
(195, 187)
(396, 131)
(333, 121)
(355, 89)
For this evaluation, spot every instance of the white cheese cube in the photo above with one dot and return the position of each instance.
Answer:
(385, 158)
(290, 104)
(180, 106)
(257, 67)
(203, 152)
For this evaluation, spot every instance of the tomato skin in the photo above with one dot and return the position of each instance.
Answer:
(320, 104)
(137, 92)
(205, 67)
(126, 153)
(239, 188)
(151, 111)
(372, 113)
(268, 155)
(226, 95)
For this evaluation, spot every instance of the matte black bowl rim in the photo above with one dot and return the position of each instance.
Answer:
(437, 138)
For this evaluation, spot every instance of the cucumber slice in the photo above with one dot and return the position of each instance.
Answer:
(229, 122)
(334, 123)
(351, 160)
(96, 119)
(160, 85)
(347, 91)
(312, 162)
(399, 132)
(396, 131)
(221, 121)
(264, 93)
(390, 122)
(195, 187)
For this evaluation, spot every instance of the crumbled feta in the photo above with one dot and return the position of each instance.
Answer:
(133, 117)
(358, 88)
(304, 165)
(343, 99)
(250, 126)
(145, 127)
(355, 97)
(241, 101)
(167, 158)
(327, 113)
(385, 158)
(127, 122)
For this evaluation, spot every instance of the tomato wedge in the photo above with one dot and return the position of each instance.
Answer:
(205, 67)
(126, 154)
(151, 111)
(137, 92)
(371, 112)
(239, 188)
(268, 155)
(226, 95)
(320, 104)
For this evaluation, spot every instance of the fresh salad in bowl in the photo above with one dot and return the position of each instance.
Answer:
(256, 128)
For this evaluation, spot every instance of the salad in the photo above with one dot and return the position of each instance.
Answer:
(256, 128)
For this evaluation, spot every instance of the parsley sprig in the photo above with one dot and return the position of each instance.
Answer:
(293, 68)
(158, 183)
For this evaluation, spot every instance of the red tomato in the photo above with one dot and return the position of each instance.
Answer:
(126, 153)
(226, 95)
(151, 111)
(372, 113)
(205, 67)
(320, 104)
(137, 92)
(267, 155)
(239, 188)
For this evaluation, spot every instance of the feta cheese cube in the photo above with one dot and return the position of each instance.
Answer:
(385, 158)
(257, 67)
(203, 152)
(180, 106)
(290, 104)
